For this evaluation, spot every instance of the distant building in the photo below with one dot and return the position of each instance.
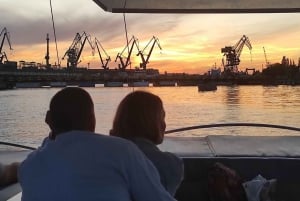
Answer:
(214, 72)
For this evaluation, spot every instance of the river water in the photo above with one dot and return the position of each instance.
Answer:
(23, 110)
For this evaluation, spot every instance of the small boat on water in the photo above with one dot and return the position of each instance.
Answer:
(207, 86)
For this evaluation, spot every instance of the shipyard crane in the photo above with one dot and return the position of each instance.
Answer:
(76, 48)
(133, 41)
(267, 62)
(96, 45)
(154, 40)
(233, 53)
(5, 35)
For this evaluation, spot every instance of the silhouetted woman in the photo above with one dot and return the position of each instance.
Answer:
(140, 117)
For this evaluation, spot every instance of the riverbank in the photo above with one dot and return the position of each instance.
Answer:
(26, 78)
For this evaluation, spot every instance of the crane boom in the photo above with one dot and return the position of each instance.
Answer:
(239, 46)
(133, 41)
(233, 53)
(104, 64)
(154, 40)
(76, 48)
(5, 35)
(267, 62)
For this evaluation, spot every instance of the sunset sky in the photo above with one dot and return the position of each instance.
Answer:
(190, 43)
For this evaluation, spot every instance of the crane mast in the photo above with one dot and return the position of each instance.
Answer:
(133, 41)
(104, 64)
(154, 40)
(232, 54)
(75, 49)
(5, 35)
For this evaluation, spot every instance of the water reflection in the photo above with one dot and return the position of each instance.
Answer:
(232, 95)
(232, 104)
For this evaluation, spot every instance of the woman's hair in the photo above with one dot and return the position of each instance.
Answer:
(139, 115)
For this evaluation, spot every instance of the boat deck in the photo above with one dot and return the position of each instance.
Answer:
(272, 157)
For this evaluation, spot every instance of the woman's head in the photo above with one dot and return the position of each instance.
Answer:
(140, 114)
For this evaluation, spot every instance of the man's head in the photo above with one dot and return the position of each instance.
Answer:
(71, 108)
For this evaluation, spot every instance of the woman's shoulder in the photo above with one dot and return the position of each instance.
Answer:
(149, 148)
(171, 171)
(171, 157)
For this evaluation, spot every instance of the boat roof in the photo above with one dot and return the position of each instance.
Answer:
(199, 6)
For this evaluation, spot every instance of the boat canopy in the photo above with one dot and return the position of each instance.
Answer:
(199, 6)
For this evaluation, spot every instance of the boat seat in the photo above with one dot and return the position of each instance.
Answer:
(285, 170)
(9, 191)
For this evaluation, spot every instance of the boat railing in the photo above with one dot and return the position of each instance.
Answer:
(17, 145)
(232, 125)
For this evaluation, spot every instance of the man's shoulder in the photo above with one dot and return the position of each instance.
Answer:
(91, 139)
(95, 136)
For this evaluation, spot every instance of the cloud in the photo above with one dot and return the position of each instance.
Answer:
(195, 39)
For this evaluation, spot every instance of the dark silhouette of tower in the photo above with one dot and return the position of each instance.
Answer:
(47, 57)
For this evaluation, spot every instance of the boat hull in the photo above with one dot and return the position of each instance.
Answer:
(207, 87)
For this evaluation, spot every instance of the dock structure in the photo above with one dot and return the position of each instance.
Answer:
(30, 77)
(34, 78)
